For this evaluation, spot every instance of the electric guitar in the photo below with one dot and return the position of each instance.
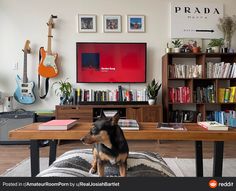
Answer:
(47, 66)
(24, 93)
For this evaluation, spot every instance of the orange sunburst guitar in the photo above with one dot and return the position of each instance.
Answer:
(47, 66)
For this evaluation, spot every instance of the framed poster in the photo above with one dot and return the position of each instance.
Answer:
(195, 20)
(87, 23)
(111, 23)
(136, 23)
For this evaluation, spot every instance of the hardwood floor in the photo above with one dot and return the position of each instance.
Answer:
(13, 154)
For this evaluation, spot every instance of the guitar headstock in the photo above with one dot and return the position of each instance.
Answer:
(50, 22)
(27, 48)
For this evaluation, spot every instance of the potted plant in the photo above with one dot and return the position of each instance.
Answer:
(215, 44)
(195, 47)
(177, 44)
(64, 90)
(152, 91)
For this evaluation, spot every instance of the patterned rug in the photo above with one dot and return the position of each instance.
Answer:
(180, 167)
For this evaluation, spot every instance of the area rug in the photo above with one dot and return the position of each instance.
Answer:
(181, 167)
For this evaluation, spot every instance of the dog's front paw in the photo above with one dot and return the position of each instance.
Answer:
(92, 171)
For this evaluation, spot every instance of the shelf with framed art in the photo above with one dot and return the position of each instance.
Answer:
(198, 86)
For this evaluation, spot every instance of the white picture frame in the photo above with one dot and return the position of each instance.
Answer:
(135, 23)
(87, 23)
(111, 23)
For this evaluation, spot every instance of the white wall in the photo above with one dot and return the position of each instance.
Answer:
(24, 19)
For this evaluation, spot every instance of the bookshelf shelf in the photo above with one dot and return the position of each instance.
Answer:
(203, 85)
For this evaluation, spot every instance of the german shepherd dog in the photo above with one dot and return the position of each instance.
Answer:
(109, 144)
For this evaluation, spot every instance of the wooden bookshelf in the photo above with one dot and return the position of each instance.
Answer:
(193, 83)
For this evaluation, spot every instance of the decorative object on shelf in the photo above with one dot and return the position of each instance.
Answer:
(136, 23)
(112, 23)
(191, 45)
(87, 23)
(168, 49)
(195, 47)
(64, 90)
(152, 91)
(227, 25)
(216, 44)
(177, 44)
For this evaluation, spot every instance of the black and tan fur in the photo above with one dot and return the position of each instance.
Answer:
(109, 143)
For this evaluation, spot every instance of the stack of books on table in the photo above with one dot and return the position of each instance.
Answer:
(213, 125)
(171, 126)
(57, 124)
(128, 124)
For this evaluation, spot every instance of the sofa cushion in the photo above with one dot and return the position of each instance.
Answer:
(77, 163)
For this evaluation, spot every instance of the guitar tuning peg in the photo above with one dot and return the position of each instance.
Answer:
(54, 16)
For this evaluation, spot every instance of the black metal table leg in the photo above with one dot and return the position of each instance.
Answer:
(34, 157)
(198, 157)
(218, 158)
(53, 151)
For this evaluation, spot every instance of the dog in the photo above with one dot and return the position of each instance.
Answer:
(109, 145)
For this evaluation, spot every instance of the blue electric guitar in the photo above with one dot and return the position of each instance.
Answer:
(24, 93)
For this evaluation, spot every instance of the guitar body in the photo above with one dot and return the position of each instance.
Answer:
(47, 66)
(24, 93)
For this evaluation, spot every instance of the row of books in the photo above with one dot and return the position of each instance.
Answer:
(185, 71)
(179, 95)
(120, 94)
(205, 94)
(227, 95)
(220, 70)
(227, 117)
(183, 116)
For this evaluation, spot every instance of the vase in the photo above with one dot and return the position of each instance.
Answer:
(227, 40)
(216, 49)
(65, 100)
(196, 49)
(151, 101)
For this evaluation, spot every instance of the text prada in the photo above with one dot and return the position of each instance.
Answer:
(196, 10)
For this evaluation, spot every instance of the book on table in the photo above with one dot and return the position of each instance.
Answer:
(57, 124)
(213, 125)
(128, 124)
(171, 126)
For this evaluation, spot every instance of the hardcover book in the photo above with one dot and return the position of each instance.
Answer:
(213, 125)
(57, 124)
(171, 126)
(128, 124)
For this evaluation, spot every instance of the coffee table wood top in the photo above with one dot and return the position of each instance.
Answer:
(148, 131)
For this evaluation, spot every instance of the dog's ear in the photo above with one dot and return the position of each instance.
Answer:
(115, 119)
(102, 115)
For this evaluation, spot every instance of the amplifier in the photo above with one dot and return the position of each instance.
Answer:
(13, 120)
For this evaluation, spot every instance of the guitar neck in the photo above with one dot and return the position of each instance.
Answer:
(49, 48)
(25, 80)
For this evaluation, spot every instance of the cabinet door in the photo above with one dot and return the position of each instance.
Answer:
(134, 113)
(152, 114)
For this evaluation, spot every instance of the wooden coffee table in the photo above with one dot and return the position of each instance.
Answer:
(148, 131)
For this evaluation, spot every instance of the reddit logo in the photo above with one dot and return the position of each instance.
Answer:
(213, 183)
